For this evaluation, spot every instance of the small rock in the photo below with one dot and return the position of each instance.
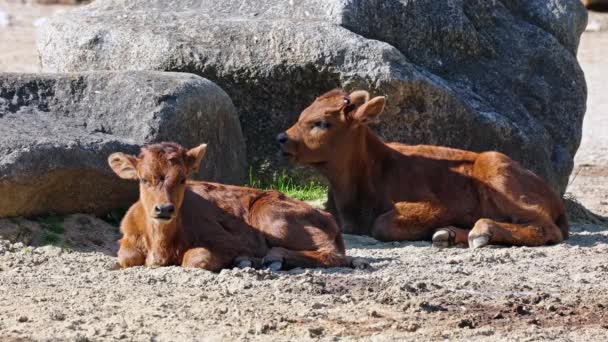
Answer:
(534, 321)
(466, 323)
(498, 316)
(316, 331)
(57, 316)
(346, 298)
(22, 319)
(409, 288)
(375, 314)
(522, 310)
(421, 286)
(17, 246)
(427, 307)
(412, 327)
(261, 328)
(318, 305)
(81, 338)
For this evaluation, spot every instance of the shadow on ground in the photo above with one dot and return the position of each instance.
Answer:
(85, 233)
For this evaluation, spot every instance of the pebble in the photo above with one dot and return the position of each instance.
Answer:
(375, 314)
(522, 310)
(22, 319)
(316, 331)
(318, 305)
(466, 323)
(412, 327)
(57, 316)
(17, 246)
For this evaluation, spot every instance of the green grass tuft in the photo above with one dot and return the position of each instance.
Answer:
(310, 191)
(50, 238)
(53, 223)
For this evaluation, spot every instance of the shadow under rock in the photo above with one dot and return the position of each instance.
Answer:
(587, 229)
(77, 232)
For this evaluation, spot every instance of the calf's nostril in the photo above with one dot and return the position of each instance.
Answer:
(164, 209)
(281, 138)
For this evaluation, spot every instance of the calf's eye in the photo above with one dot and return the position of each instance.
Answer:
(143, 181)
(321, 124)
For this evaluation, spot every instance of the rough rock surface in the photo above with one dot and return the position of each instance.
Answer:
(481, 75)
(57, 130)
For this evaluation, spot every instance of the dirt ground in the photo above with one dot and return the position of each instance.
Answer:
(412, 291)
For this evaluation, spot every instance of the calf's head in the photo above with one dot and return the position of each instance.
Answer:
(161, 170)
(329, 127)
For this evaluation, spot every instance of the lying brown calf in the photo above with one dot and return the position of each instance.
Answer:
(399, 192)
(213, 226)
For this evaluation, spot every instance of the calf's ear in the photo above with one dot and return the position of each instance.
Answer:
(123, 165)
(370, 110)
(195, 155)
(358, 97)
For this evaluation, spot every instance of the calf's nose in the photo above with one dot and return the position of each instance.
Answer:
(164, 210)
(281, 138)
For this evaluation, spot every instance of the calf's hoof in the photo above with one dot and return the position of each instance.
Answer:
(273, 266)
(360, 263)
(478, 241)
(443, 238)
(273, 261)
(247, 261)
(244, 262)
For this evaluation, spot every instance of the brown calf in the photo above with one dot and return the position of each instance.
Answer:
(213, 226)
(400, 192)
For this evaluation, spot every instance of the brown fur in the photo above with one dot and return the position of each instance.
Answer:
(399, 192)
(213, 224)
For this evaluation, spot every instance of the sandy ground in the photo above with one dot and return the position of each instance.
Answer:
(412, 291)
(18, 20)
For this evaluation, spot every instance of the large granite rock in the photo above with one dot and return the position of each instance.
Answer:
(477, 74)
(57, 131)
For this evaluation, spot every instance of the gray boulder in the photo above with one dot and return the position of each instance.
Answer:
(57, 131)
(481, 75)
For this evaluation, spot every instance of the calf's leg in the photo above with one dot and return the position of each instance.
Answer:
(129, 255)
(205, 259)
(535, 233)
(282, 258)
(410, 221)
